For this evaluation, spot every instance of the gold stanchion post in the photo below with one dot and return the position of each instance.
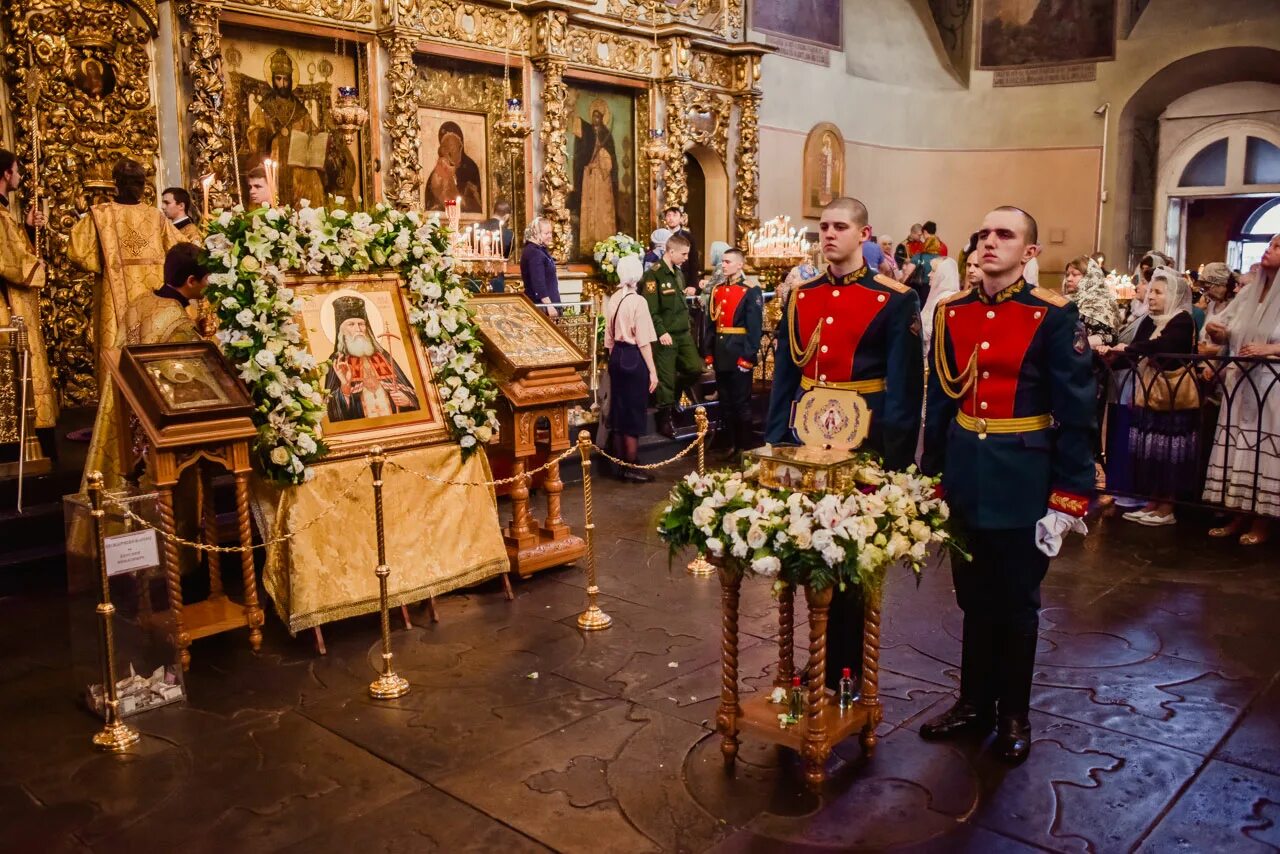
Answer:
(115, 736)
(593, 619)
(389, 685)
(699, 567)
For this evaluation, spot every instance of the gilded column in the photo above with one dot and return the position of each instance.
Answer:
(207, 146)
(676, 187)
(555, 154)
(747, 186)
(404, 173)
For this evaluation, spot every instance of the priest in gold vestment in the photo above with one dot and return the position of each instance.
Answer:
(154, 317)
(124, 242)
(22, 275)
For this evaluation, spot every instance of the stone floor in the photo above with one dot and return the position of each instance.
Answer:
(1156, 714)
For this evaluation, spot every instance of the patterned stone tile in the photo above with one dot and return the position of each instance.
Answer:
(1255, 741)
(419, 823)
(613, 780)
(1082, 789)
(1227, 808)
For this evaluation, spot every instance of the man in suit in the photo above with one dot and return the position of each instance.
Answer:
(1010, 427)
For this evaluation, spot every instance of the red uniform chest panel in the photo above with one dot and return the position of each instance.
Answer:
(1000, 335)
(845, 312)
(727, 298)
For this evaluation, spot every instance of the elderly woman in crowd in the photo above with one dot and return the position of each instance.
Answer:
(629, 337)
(1218, 283)
(889, 266)
(944, 279)
(538, 267)
(657, 246)
(917, 270)
(1162, 435)
(1244, 468)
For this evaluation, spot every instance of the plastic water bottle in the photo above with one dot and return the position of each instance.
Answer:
(846, 690)
(796, 709)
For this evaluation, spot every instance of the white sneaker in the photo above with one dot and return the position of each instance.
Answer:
(1155, 521)
(1137, 515)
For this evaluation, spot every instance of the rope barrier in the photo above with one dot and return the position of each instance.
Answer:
(346, 493)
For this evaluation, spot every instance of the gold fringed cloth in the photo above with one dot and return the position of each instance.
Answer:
(439, 538)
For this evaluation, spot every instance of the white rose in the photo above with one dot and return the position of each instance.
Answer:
(265, 358)
(920, 531)
(898, 546)
(739, 548)
(703, 514)
(280, 455)
(756, 537)
(833, 555)
(767, 566)
(823, 539)
(917, 552)
(715, 547)
(244, 317)
(803, 538)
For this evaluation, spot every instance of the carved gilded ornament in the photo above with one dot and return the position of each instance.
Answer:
(347, 11)
(609, 51)
(747, 186)
(709, 115)
(207, 146)
(555, 151)
(550, 35)
(96, 107)
(404, 173)
(470, 23)
(711, 69)
(644, 171)
(677, 94)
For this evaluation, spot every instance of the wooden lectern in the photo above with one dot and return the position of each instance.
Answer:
(537, 368)
(190, 408)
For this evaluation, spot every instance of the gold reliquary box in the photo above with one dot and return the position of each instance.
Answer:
(806, 468)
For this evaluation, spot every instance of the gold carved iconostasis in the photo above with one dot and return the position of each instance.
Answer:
(203, 90)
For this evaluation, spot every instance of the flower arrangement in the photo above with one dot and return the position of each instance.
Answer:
(609, 252)
(252, 251)
(819, 539)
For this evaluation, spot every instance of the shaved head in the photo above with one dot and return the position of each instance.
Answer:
(851, 207)
(1032, 229)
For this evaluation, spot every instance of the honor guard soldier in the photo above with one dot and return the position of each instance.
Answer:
(1010, 426)
(675, 356)
(849, 328)
(736, 308)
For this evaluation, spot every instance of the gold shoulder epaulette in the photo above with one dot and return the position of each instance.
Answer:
(891, 283)
(1051, 297)
(952, 297)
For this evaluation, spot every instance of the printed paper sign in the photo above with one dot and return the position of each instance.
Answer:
(132, 552)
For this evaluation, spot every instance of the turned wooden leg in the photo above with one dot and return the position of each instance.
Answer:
(786, 637)
(729, 712)
(871, 672)
(210, 519)
(521, 519)
(173, 576)
(816, 749)
(404, 613)
(506, 587)
(431, 609)
(252, 612)
(554, 526)
(319, 636)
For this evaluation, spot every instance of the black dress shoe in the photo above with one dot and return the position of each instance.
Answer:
(633, 476)
(961, 718)
(1013, 740)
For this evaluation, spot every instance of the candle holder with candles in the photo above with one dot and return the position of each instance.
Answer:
(475, 250)
(774, 248)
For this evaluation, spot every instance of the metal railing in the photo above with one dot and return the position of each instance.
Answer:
(1222, 411)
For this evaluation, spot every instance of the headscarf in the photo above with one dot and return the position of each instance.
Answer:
(659, 239)
(718, 248)
(630, 270)
(932, 245)
(1138, 307)
(1177, 297)
(1098, 306)
(1255, 320)
(1031, 272)
(944, 279)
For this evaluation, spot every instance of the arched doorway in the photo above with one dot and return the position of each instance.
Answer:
(708, 203)
(1136, 137)
(1210, 184)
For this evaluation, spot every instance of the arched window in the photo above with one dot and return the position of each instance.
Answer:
(1208, 168)
(1263, 224)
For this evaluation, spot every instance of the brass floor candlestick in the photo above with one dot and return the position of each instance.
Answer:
(389, 685)
(699, 567)
(115, 736)
(593, 619)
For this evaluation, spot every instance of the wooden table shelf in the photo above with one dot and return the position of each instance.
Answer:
(823, 725)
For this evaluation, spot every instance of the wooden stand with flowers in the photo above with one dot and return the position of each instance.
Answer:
(824, 724)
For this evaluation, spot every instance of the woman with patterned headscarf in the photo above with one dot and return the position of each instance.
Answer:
(1086, 285)
(1163, 441)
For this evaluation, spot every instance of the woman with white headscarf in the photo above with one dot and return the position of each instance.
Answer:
(1163, 442)
(1244, 469)
(944, 279)
(629, 337)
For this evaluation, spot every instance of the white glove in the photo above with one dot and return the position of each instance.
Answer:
(1053, 526)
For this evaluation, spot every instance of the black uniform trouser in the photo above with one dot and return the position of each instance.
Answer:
(999, 593)
(845, 623)
(734, 387)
